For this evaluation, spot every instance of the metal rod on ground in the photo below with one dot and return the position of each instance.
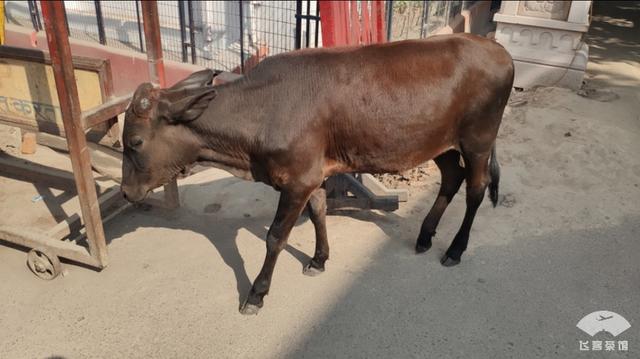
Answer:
(156, 75)
(100, 22)
(241, 38)
(61, 61)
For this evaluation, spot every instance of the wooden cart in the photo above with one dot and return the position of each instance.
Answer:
(47, 247)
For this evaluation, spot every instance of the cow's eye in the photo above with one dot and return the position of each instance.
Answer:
(135, 141)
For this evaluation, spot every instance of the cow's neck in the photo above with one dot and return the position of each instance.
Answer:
(228, 132)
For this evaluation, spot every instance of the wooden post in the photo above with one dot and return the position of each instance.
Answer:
(58, 41)
(156, 74)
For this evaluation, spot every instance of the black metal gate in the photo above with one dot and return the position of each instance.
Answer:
(191, 30)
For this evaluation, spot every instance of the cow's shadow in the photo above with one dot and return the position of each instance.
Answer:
(233, 204)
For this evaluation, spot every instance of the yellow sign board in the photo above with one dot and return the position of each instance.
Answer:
(28, 96)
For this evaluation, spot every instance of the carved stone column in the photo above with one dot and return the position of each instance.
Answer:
(546, 40)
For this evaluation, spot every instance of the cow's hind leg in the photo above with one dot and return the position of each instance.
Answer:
(317, 213)
(452, 176)
(290, 206)
(477, 177)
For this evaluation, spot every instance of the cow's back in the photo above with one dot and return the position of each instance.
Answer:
(386, 107)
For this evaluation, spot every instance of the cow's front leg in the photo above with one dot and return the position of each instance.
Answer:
(290, 206)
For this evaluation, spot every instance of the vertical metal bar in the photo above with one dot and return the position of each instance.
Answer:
(157, 75)
(241, 38)
(192, 34)
(35, 5)
(183, 30)
(425, 14)
(32, 13)
(308, 22)
(100, 21)
(389, 19)
(317, 21)
(139, 26)
(62, 63)
(298, 39)
(447, 13)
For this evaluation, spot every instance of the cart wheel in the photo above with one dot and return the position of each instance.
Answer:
(43, 263)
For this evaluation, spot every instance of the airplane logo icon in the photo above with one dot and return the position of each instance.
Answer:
(601, 318)
(603, 321)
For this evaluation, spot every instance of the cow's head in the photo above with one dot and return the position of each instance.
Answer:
(158, 143)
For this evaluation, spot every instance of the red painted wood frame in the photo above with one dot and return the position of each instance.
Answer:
(343, 24)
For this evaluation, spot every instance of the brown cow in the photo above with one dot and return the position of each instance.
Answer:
(300, 117)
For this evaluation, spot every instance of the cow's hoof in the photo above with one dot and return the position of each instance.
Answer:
(421, 248)
(448, 261)
(249, 309)
(312, 271)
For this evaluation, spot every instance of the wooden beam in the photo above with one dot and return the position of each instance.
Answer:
(64, 249)
(156, 74)
(339, 186)
(105, 160)
(61, 61)
(106, 111)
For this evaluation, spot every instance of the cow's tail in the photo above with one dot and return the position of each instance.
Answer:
(494, 173)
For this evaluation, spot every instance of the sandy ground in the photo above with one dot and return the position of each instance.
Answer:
(563, 243)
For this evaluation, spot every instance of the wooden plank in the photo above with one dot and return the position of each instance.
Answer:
(32, 103)
(104, 160)
(151, 24)
(60, 50)
(171, 194)
(106, 111)
(30, 239)
(362, 198)
(43, 57)
(379, 189)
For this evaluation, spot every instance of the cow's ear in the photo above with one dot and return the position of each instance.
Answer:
(195, 80)
(188, 107)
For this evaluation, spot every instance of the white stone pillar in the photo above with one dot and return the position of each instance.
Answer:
(546, 41)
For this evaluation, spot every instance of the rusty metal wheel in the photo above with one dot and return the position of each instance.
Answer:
(43, 263)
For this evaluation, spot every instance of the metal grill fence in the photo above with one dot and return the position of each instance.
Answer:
(420, 19)
(226, 35)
